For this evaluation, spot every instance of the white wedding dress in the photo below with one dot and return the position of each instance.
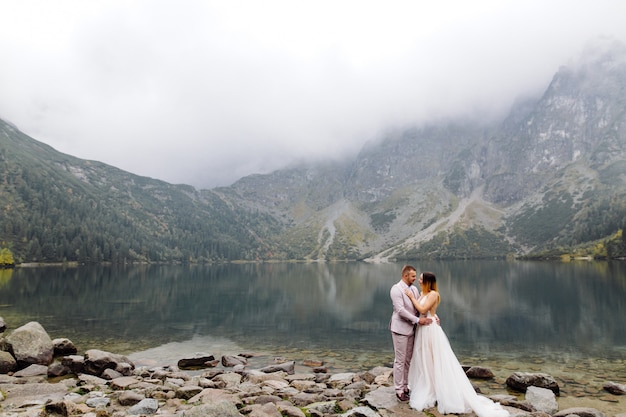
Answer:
(436, 377)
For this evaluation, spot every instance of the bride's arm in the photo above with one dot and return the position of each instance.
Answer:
(431, 300)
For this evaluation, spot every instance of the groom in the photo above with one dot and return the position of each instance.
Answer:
(404, 321)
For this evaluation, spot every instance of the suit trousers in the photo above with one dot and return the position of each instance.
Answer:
(403, 351)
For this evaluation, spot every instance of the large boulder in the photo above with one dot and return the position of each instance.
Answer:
(31, 344)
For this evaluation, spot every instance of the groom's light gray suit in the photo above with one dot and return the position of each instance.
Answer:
(402, 325)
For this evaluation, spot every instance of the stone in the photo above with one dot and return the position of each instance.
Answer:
(3, 325)
(213, 396)
(323, 407)
(128, 398)
(479, 372)
(580, 412)
(32, 370)
(229, 361)
(219, 409)
(125, 368)
(58, 369)
(288, 367)
(110, 374)
(31, 345)
(74, 362)
(362, 412)
(96, 361)
(262, 410)
(199, 360)
(289, 410)
(145, 406)
(383, 397)
(7, 363)
(60, 407)
(313, 363)
(97, 401)
(615, 388)
(303, 399)
(63, 347)
(188, 391)
(341, 380)
(230, 379)
(520, 381)
(264, 399)
(86, 379)
(122, 383)
(542, 399)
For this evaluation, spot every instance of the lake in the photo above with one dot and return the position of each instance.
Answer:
(562, 318)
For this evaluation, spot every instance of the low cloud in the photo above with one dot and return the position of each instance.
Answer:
(204, 93)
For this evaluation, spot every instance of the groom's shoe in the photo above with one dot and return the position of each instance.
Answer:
(408, 393)
(402, 396)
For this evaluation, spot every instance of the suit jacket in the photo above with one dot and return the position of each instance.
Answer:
(405, 316)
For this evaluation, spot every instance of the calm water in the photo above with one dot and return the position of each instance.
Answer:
(560, 317)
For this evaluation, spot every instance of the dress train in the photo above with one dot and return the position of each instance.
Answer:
(436, 377)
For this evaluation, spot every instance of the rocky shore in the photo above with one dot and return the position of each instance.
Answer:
(44, 377)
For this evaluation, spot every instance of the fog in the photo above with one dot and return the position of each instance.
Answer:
(205, 92)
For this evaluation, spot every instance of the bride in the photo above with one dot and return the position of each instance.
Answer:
(435, 375)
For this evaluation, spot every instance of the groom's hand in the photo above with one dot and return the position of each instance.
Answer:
(424, 321)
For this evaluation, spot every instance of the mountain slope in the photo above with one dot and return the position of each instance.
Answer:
(59, 208)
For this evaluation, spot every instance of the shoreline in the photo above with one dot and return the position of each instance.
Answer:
(172, 384)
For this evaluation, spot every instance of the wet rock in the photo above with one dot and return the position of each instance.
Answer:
(542, 399)
(96, 361)
(63, 347)
(615, 388)
(479, 372)
(199, 360)
(313, 363)
(31, 345)
(288, 367)
(520, 381)
(229, 361)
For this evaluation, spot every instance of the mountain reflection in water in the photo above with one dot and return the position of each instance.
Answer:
(338, 312)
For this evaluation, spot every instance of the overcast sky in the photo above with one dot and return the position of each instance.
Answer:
(206, 92)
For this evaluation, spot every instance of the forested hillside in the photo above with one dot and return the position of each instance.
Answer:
(59, 208)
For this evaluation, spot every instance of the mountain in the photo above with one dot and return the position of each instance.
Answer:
(55, 207)
(549, 179)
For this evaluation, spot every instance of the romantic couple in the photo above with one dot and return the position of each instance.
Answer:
(425, 370)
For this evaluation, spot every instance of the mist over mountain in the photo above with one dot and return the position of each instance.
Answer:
(547, 180)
